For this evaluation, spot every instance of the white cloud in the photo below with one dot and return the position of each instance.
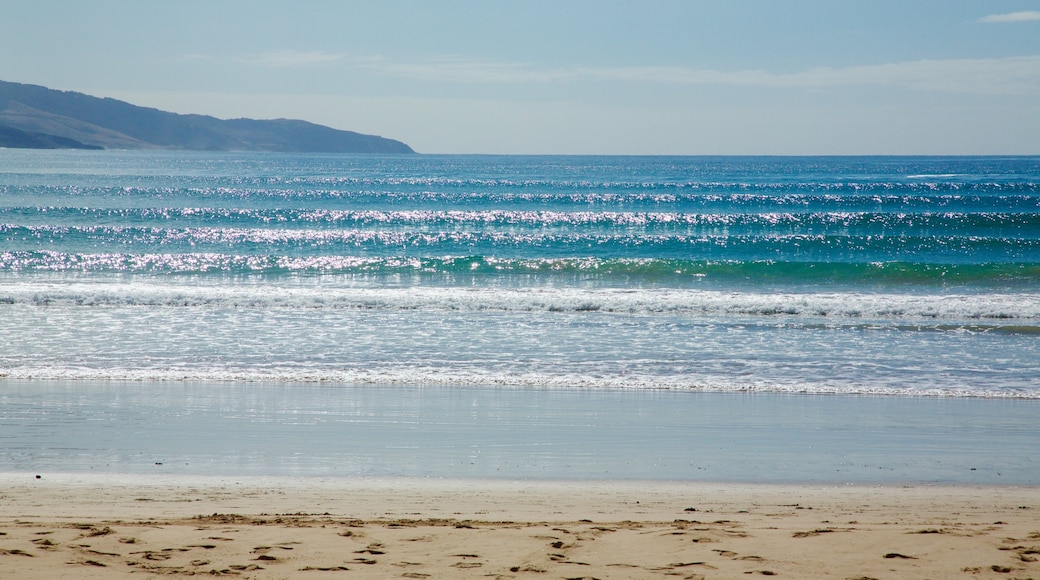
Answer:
(1024, 16)
(292, 58)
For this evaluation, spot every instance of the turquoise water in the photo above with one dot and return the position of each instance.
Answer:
(865, 275)
(824, 319)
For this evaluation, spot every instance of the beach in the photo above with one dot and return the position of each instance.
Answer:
(104, 480)
(111, 526)
(449, 366)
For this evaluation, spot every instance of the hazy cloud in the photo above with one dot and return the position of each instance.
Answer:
(1024, 16)
(460, 70)
(1012, 75)
(1015, 75)
(292, 58)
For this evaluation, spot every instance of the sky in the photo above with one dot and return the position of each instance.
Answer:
(684, 77)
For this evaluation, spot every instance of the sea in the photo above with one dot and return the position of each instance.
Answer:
(725, 318)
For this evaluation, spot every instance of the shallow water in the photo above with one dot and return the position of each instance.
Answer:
(351, 431)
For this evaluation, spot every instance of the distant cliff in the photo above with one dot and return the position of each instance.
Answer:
(37, 117)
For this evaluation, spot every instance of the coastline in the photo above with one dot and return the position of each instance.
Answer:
(113, 525)
(300, 366)
(303, 430)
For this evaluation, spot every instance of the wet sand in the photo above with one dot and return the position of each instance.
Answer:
(110, 526)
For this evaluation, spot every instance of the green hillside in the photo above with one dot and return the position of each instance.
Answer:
(38, 117)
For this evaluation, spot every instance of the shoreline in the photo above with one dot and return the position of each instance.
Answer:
(358, 430)
(113, 525)
(380, 380)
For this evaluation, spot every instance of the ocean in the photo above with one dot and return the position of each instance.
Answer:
(913, 279)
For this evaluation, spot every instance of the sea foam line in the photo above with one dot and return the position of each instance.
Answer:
(431, 377)
(991, 308)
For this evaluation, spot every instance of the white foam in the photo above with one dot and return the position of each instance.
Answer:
(984, 308)
(448, 377)
(934, 175)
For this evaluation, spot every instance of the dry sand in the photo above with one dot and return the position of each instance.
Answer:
(102, 526)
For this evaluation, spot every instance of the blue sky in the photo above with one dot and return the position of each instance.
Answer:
(568, 77)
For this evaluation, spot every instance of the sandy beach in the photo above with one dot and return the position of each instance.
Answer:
(110, 526)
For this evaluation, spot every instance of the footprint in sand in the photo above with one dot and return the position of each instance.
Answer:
(528, 568)
(812, 533)
(374, 549)
(725, 553)
(674, 565)
(45, 544)
(153, 556)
